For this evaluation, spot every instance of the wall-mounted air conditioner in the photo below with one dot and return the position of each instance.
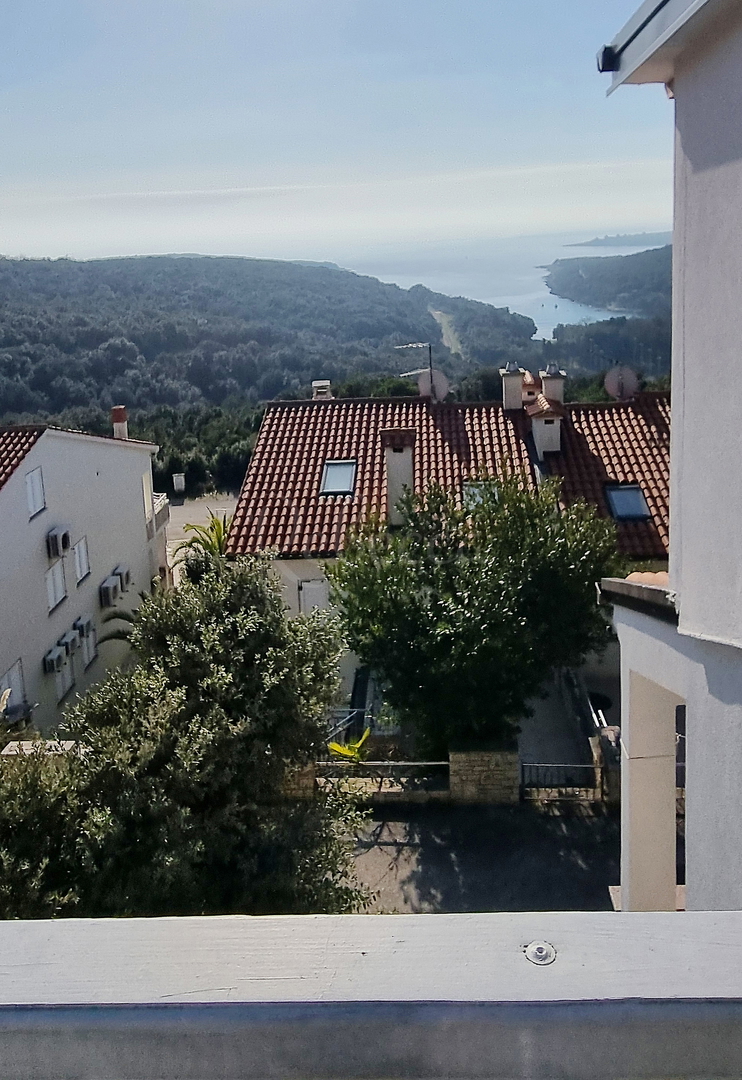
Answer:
(54, 660)
(110, 591)
(123, 573)
(57, 542)
(84, 626)
(70, 641)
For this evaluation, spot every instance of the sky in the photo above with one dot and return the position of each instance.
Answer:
(316, 129)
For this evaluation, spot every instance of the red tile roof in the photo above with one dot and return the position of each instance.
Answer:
(623, 442)
(280, 505)
(15, 443)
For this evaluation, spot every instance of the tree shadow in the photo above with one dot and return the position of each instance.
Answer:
(523, 858)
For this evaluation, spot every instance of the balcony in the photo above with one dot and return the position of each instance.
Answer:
(597, 995)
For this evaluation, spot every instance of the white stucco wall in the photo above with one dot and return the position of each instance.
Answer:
(706, 478)
(294, 575)
(94, 488)
(708, 678)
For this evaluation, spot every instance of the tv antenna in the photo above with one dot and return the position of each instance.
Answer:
(431, 382)
(621, 383)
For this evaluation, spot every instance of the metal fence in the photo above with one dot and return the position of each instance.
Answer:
(559, 777)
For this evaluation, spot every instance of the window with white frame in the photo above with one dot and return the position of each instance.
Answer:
(13, 680)
(64, 679)
(56, 590)
(627, 502)
(35, 492)
(82, 561)
(313, 594)
(475, 491)
(89, 646)
(338, 478)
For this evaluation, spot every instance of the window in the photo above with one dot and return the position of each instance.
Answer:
(64, 679)
(89, 647)
(313, 594)
(56, 589)
(82, 562)
(13, 680)
(548, 423)
(338, 478)
(35, 492)
(627, 503)
(475, 490)
(147, 495)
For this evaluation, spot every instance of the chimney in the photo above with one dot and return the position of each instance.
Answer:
(120, 422)
(398, 445)
(321, 390)
(512, 386)
(546, 425)
(552, 383)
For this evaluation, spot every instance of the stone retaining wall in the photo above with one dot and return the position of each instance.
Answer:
(484, 776)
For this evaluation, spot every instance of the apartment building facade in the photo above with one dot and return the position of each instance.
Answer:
(681, 643)
(83, 534)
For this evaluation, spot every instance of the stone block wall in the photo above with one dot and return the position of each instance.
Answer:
(484, 776)
(300, 783)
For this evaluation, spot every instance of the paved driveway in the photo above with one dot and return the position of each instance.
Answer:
(444, 859)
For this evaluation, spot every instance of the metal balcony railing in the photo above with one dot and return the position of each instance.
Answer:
(585, 995)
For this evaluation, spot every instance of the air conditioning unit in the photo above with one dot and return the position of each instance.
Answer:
(57, 542)
(70, 641)
(123, 573)
(54, 660)
(84, 626)
(110, 591)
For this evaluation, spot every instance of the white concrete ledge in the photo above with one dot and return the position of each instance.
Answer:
(340, 997)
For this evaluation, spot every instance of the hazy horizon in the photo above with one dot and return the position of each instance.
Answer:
(317, 129)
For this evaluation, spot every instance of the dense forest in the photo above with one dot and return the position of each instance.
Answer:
(194, 345)
(181, 331)
(637, 284)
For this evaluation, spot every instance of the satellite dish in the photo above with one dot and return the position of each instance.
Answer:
(440, 388)
(621, 383)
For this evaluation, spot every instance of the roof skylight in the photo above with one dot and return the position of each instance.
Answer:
(627, 502)
(338, 478)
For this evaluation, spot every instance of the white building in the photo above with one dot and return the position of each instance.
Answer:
(81, 532)
(682, 645)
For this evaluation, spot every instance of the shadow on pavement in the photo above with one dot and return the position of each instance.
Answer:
(523, 858)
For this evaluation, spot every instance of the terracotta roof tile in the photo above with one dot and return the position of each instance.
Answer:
(620, 443)
(280, 505)
(15, 443)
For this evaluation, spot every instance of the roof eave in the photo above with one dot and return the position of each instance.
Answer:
(649, 44)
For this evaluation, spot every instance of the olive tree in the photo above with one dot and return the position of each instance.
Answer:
(466, 609)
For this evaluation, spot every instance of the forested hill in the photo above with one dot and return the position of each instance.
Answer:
(637, 284)
(181, 330)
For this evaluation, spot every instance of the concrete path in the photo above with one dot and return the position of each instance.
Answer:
(552, 735)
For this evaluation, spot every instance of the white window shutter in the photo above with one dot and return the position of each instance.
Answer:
(313, 594)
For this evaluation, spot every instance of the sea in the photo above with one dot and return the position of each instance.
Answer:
(507, 272)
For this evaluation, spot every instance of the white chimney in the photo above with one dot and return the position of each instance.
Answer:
(398, 445)
(321, 390)
(512, 386)
(120, 422)
(552, 383)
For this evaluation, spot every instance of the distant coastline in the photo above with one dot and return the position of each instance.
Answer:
(658, 239)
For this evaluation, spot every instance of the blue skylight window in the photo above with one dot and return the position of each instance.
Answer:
(338, 478)
(627, 503)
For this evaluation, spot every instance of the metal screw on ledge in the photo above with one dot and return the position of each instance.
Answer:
(540, 952)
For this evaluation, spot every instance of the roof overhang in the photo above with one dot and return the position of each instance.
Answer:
(646, 49)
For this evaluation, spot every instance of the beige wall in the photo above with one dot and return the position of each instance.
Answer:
(93, 487)
(708, 678)
(706, 478)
